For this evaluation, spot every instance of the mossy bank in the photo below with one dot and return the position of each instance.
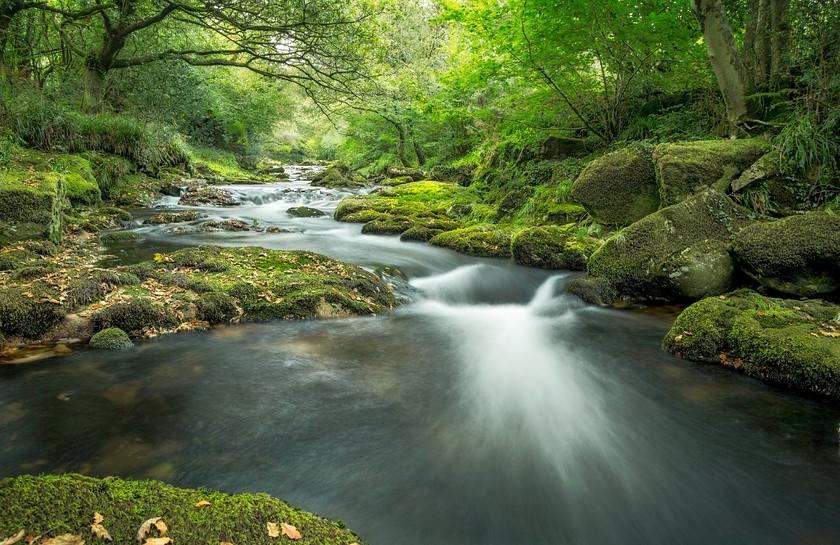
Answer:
(67, 504)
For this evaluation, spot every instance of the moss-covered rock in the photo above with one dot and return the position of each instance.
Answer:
(134, 316)
(120, 237)
(207, 196)
(686, 168)
(387, 226)
(619, 188)
(399, 180)
(82, 187)
(338, 175)
(399, 172)
(679, 252)
(173, 217)
(29, 311)
(112, 338)
(461, 175)
(305, 212)
(552, 247)
(792, 342)
(31, 205)
(216, 308)
(797, 255)
(59, 504)
(595, 291)
(478, 240)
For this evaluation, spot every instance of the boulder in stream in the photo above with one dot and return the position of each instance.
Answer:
(207, 196)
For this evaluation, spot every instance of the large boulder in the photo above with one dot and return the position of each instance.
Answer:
(686, 168)
(208, 196)
(797, 255)
(679, 252)
(792, 342)
(552, 247)
(338, 175)
(398, 172)
(31, 205)
(477, 240)
(619, 188)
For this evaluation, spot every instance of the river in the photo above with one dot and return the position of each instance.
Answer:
(490, 408)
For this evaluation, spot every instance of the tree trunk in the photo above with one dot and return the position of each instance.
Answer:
(781, 29)
(761, 67)
(726, 61)
(421, 157)
(94, 99)
(401, 147)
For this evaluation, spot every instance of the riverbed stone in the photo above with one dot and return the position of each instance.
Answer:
(686, 168)
(797, 255)
(305, 212)
(618, 188)
(552, 247)
(593, 290)
(112, 338)
(477, 240)
(792, 342)
(173, 217)
(398, 172)
(207, 196)
(679, 252)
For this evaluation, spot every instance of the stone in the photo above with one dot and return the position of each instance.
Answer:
(679, 252)
(797, 255)
(686, 168)
(207, 196)
(112, 338)
(619, 188)
(552, 247)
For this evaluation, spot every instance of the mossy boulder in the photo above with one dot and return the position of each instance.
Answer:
(112, 338)
(797, 255)
(338, 175)
(399, 180)
(595, 291)
(398, 172)
(792, 342)
(478, 240)
(686, 168)
(461, 175)
(305, 212)
(552, 247)
(29, 311)
(619, 188)
(133, 316)
(121, 237)
(58, 504)
(207, 196)
(216, 308)
(173, 217)
(82, 187)
(31, 205)
(679, 252)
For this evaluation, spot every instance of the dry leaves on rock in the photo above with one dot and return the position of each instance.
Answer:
(158, 541)
(202, 503)
(99, 531)
(273, 531)
(145, 527)
(65, 539)
(290, 531)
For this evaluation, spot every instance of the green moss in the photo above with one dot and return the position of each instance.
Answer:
(120, 237)
(595, 291)
(34, 270)
(797, 255)
(112, 338)
(31, 205)
(619, 188)
(216, 308)
(552, 247)
(387, 226)
(66, 503)
(17, 258)
(786, 341)
(133, 316)
(686, 168)
(478, 240)
(29, 311)
(304, 212)
(173, 217)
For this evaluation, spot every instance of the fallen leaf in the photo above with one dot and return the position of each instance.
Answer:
(108, 479)
(202, 503)
(678, 338)
(225, 543)
(290, 531)
(14, 539)
(158, 541)
(815, 335)
(100, 531)
(161, 527)
(65, 539)
(272, 529)
(145, 527)
(97, 518)
(830, 333)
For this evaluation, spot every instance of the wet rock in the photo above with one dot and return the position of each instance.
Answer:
(172, 190)
(792, 342)
(797, 255)
(479, 240)
(207, 196)
(619, 188)
(415, 174)
(173, 217)
(677, 253)
(120, 237)
(305, 212)
(595, 291)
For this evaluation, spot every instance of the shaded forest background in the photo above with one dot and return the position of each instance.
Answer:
(400, 82)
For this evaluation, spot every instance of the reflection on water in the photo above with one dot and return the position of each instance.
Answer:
(491, 409)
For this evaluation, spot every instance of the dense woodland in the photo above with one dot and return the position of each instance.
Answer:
(377, 83)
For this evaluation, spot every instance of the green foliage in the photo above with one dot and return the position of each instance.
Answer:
(809, 152)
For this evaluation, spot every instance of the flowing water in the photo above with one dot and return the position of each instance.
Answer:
(489, 408)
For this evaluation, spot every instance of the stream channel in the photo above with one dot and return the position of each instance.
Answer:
(489, 408)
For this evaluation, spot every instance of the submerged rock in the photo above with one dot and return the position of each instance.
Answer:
(619, 188)
(680, 252)
(305, 212)
(792, 342)
(797, 255)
